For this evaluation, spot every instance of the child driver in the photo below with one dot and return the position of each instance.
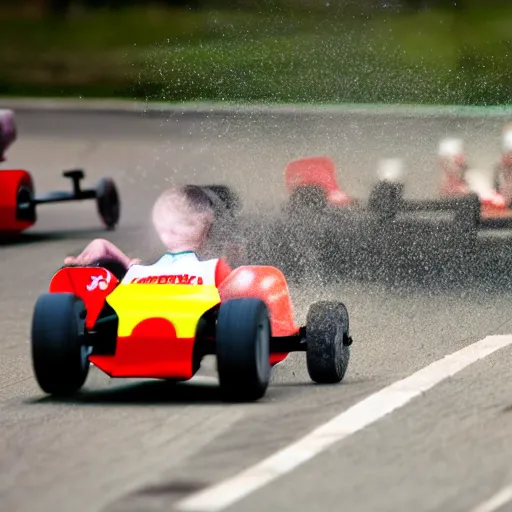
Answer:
(182, 218)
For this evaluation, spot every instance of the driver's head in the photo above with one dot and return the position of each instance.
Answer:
(451, 155)
(7, 131)
(506, 145)
(183, 217)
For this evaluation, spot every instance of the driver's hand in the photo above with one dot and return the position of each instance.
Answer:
(96, 250)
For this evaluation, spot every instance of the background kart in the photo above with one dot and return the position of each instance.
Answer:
(492, 186)
(19, 202)
(165, 330)
(322, 227)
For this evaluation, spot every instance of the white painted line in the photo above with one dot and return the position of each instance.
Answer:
(500, 499)
(364, 413)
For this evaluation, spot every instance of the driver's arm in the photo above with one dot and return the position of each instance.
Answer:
(99, 249)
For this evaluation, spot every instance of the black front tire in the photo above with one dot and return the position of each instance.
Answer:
(108, 203)
(59, 354)
(25, 205)
(328, 342)
(243, 349)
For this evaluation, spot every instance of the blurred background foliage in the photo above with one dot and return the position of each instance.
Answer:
(415, 51)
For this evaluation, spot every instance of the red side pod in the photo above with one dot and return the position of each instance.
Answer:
(269, 285)
(319, 170)
(91, 284)
(11, 182)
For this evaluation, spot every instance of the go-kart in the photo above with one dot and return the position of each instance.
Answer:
(18, 201)
(321, 226)
(491, 187)
(160, 329)
(311, 183)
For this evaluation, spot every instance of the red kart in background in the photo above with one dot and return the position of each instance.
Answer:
(311, 182)
(323, 228)
(18, 201)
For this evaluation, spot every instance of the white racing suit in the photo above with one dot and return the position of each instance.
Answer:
(178, 268)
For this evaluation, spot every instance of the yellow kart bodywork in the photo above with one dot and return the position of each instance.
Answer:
(157, 326)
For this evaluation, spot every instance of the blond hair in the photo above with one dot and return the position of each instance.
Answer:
(183, 217)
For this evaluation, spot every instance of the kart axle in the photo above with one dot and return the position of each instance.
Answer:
(59, 197)
(285, 344)
(75, 175)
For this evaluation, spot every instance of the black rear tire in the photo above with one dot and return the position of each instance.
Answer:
(229, 198)
(306, 199)
(108, 203)
(328, 342)
(243, 349)
(59, 354)
(385, 199)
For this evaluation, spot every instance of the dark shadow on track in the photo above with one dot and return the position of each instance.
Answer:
(141, 393)
(152, 392)
(307, 383)
(146, 393)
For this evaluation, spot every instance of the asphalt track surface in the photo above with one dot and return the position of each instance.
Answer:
(143, 446)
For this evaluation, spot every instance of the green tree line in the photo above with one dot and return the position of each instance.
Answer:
(419, 51)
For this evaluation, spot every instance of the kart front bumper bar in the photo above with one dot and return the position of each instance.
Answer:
(59, 197)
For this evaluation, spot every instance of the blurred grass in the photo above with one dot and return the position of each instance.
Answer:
(439, 57)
